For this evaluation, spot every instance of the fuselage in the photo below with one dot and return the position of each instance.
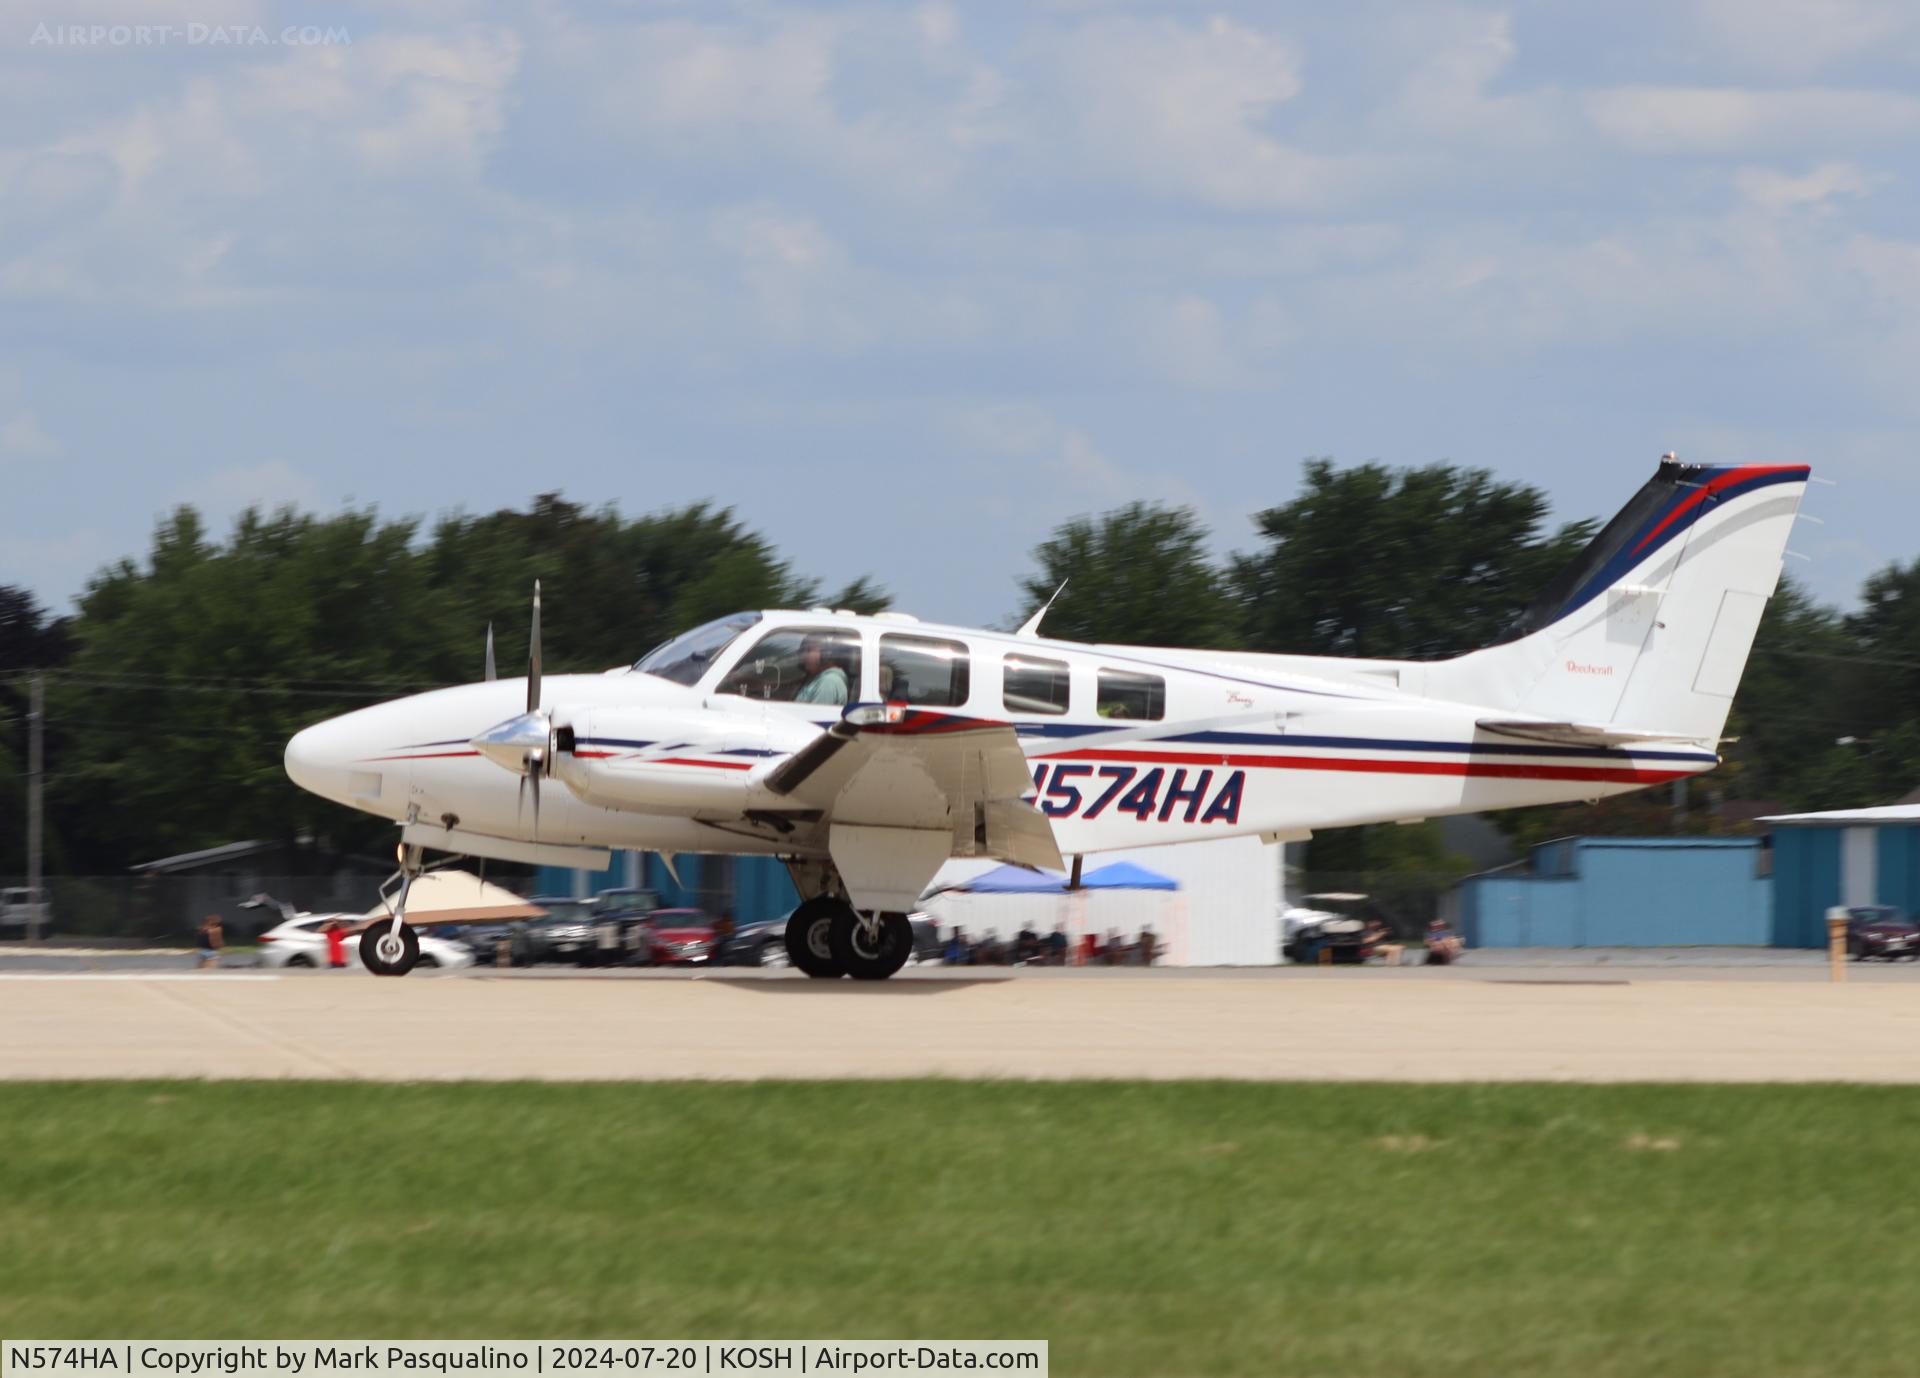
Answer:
(1128, 746)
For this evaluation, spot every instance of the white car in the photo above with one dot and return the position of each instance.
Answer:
(302, 942)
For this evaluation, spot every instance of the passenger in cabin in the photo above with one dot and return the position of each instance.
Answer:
(826, 681)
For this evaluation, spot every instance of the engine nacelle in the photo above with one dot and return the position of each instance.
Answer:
(686, 763)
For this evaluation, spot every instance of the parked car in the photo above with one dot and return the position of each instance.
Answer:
(483, 939)
(21, 907)
(676, 937)
(626, 899)
(1881, 930)
(302, 942)
(564, 935)
(762, 944)
(1342, 937)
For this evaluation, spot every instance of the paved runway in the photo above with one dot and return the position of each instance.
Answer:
(1574, 1024)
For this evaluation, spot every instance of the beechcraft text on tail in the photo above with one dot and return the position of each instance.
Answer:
(865, 751)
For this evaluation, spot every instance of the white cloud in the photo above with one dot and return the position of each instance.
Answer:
(1454, 60)
(714, 91)
(1699, 119)
(1780, 192)
(1185, 110)
(1802, 35)
(1051, 453)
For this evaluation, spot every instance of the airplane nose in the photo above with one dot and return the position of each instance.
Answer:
(314, 762)
(329, 759)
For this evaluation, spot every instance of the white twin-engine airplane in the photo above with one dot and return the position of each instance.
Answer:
(864, 751)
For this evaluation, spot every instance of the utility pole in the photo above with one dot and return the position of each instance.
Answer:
(36, 711)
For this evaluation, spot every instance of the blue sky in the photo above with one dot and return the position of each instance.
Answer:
(909, 285)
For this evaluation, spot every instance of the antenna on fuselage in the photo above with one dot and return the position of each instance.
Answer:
(1031, 627)
(491, 672)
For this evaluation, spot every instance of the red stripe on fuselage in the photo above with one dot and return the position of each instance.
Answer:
(1498, 770)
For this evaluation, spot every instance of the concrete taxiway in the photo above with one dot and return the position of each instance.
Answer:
(1557, 1024)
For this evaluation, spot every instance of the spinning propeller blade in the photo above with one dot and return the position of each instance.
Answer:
(522, 744)
(533, 654)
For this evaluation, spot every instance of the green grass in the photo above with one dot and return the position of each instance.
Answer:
(1142, 1228)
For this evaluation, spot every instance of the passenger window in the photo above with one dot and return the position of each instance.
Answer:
(1124, 694)
(799, 665)
(923, 670)
(1034, 686)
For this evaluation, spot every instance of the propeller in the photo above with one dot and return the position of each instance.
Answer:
(522, 744)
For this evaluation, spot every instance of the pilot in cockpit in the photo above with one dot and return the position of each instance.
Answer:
(826, 682)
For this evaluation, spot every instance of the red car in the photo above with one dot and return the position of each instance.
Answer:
(676, 937)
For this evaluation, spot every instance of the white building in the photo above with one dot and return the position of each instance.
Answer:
(1225, 913)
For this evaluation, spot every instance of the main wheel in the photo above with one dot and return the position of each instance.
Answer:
(809, 944)
(871, 953)
(386, 953)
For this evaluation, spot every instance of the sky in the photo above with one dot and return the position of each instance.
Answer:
(907, 286)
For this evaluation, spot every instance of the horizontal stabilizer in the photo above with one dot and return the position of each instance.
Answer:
(1578, 733)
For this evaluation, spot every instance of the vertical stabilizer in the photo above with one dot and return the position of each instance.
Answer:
(1651, 626)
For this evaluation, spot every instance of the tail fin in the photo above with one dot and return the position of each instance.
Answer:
(1649, 629)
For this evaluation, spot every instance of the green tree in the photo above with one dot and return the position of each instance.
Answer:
(1409, 563)
(193, 668)
(1137, 575)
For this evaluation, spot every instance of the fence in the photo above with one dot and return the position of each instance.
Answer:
(168, 909)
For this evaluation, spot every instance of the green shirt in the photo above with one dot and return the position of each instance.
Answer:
(829, 686)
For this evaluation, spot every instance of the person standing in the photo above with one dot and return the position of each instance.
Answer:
(337, 946)
(212, 939)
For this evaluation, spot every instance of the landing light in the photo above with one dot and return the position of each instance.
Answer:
(871, 714)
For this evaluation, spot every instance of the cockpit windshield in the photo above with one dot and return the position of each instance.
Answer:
(685, 658)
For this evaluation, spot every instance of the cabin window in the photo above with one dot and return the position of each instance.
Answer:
(1034, 687)
(799, 665)
(1126, 694)
(923, 671)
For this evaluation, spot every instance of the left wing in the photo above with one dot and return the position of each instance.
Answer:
(885, 766)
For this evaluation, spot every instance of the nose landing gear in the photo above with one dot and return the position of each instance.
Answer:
(392, 948)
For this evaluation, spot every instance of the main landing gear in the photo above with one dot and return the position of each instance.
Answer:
(827, 938)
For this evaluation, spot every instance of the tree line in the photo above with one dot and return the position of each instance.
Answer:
(177, 678)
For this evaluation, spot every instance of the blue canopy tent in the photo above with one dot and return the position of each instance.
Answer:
(1012, 880)
(1126, 875)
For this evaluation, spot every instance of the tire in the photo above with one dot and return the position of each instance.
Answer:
(427, 963)
(299, 961)
(773, 955)
(395, 963)
(870, 957)
(809, 941)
